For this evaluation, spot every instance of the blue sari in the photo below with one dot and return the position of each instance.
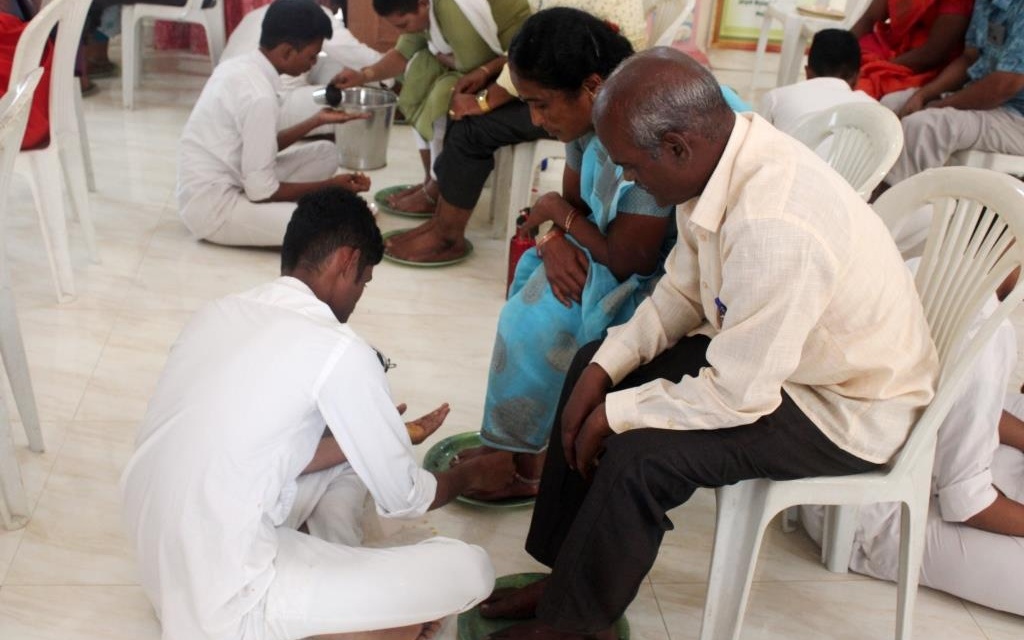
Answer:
(538, 336)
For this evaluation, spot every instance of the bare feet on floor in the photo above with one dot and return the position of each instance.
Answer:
(412, 188)
(536, 630)
(426, 246)
(516, 603)
(418, 200)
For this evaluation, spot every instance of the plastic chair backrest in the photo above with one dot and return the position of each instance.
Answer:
(972, 247)
(70, 16)
(866, 138)
(667, 18)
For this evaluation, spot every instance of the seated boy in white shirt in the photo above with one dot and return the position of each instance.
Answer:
(237, 176)
(833, 65)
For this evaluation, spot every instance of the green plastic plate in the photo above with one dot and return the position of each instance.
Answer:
(381, 198)
(439, 458)
(425, 265)
(473, 626)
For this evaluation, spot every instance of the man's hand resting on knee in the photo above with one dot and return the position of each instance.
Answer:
(586, 397)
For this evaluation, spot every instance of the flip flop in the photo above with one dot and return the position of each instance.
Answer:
(439, 458)
(410, 263)
(381, 198)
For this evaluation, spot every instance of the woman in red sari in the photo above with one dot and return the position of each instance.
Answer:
(905, 43)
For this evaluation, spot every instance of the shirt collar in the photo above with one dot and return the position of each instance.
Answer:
(268, 69)
(708, 209)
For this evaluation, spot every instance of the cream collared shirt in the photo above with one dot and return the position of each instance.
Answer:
(816, 301)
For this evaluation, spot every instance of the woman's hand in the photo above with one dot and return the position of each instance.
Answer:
(566, 266)
(548, 207)
(348, 78)
(472, 81)
(463, 105)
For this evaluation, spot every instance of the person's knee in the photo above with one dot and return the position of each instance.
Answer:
(468, 568)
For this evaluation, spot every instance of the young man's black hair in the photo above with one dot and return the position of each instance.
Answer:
(326, 220)
(835, 53)
(294, 22)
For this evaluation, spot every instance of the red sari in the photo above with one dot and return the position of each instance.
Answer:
(909, 25)
(38, 131)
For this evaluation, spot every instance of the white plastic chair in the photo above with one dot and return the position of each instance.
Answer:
(13, 503)
(667, 19)
(207, 13)
(864, 141)
(1001, 162)
(972, 247)
(61, 161)
(797, 31)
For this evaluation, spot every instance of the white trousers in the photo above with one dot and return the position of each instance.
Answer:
(435, 144)
(262, 224)
(932, 136)
(323, 587)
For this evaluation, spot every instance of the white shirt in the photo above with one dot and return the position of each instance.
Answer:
(816, 300)
(236, 416)
(343, 48)
(229, 144)
(786, 106)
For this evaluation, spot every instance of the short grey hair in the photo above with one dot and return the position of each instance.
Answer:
(690, 101)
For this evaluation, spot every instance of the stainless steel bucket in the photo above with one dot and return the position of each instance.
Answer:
(363, 144)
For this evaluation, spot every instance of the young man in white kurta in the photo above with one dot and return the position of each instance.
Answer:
(234, 186)
(296, 92)
(217, 484)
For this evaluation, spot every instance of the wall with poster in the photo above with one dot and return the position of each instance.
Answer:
(738, 22)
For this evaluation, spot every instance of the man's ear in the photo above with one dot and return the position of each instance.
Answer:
(348, 261)
(678, 145)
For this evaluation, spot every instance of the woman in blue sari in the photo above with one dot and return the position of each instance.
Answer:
(602, 256)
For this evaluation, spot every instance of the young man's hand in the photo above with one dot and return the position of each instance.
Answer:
(354, 182)
(423, 427)
(327, 115)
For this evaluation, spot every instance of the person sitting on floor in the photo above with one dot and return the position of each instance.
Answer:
(764, 351)
(977, 102)
(233, 464)
(974, 545)
(237, 176)
(451, 53)
(341, 50)
(833, 64)
(905, 43)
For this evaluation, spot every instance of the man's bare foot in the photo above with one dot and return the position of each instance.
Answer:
(516, 603)
(429, 246)
(417, 201)
(425, 631)
(537, 630)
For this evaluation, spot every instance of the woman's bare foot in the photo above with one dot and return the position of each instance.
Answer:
(537, 630)
(407, 236)
(473, 452)
(427, 246)
(516, 603)
(412, 188)
(421, 200)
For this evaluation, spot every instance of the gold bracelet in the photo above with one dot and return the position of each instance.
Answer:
(485, 70)
(569, 219)
(546, 237)
(368, 73)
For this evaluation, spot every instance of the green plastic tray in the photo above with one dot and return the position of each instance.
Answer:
(439, 458)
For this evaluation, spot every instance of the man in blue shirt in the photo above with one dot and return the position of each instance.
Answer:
(976, 102)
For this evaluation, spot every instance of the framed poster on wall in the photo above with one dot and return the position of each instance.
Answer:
(738, 23)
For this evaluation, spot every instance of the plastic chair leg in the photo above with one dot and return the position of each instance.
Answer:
(214, 28)
(913, 522)
(12, 349)
(739, 528)
(49, 201)
(837, 540)
(792, 54)
(13, 501)
(762, 46)
(72, 164)
(130, 55)
(90, 176)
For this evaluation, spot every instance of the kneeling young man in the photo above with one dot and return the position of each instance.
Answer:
(233, 458)
(238, 176)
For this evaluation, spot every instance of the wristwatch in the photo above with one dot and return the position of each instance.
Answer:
(481, 101)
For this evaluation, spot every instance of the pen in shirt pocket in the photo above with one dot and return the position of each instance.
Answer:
(720, 306)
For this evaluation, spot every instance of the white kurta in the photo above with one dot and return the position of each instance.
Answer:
(237, 415)
(228, 160)
(786, 106)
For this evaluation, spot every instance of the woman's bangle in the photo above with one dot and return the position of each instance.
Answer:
(484, 68)
(546, 237)
(368, 73)
(569, 219)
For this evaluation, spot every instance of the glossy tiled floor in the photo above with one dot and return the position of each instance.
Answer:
(70, 573)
